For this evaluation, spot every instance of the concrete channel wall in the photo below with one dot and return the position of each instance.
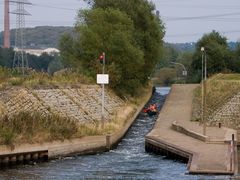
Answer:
(57, 149)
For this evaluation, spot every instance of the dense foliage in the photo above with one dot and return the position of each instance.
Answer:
(216, 49)
(221, 57)
(127, 31)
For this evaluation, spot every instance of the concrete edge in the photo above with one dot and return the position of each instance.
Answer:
(177, 127)
(192, 156)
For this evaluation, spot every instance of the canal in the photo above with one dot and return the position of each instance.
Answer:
(128, 161)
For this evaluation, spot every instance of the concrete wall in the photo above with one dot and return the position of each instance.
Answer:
(82, 103)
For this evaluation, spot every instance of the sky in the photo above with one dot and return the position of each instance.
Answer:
(185, 20)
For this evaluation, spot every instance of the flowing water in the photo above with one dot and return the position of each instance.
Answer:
(128, 161)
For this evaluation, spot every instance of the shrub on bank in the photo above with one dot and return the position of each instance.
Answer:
(33, 127)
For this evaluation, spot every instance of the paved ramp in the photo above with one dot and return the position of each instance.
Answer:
(210, 154)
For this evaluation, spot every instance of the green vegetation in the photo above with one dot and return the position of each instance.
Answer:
(130, 35)
(29, 127)
(220, 88)
(165, 76)
(43, 63)
(218, 54)
(222, 57)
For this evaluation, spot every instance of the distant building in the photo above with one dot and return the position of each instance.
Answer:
(51, 51)
(39, 52)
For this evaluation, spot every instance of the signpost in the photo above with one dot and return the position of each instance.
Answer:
(103, 79)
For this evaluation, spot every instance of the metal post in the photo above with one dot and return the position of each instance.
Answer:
(202, 49)
(108, 142)
(204, 88)
(204, 106)
(103, 94)
(205, 77)
(205, 93)
(232, 154)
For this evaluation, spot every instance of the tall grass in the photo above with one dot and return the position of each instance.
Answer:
(10, 77)
(33, 127)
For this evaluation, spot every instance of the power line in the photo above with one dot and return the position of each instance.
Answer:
(199, 34)
(54, 7)
(200, 17)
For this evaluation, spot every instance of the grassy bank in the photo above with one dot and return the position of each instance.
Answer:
(220, 89)
(33, 127)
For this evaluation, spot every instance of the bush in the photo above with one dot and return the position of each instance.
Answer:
(165, 76)
(34, 127)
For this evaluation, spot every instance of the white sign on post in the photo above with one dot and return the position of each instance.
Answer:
(102, 79)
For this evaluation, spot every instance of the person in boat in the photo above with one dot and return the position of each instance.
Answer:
(152, 109)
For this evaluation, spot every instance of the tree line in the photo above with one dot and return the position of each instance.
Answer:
(222, 57)
(43, 63)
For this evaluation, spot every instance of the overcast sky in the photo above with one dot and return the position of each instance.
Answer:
(185, 20)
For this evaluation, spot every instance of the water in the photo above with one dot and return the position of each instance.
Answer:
(128, 161)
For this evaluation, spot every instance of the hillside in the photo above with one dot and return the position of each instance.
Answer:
(41, 36)
(48, 36)
(223, 100)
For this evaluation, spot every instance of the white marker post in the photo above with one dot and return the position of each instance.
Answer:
(103, 79)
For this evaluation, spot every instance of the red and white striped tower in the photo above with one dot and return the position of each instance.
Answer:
(6, 41)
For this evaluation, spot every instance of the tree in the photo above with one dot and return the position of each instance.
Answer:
(6, 57)
(148, 29)
(218, 54)
(234, 65)
(132, 51)
(55, 65)
(111, 31)
(165, 76)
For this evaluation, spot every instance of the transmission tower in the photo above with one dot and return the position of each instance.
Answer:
(20, 61)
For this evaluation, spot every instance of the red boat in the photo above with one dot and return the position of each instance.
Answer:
(151, 110)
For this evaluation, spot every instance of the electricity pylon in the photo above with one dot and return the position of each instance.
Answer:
(20, 61)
